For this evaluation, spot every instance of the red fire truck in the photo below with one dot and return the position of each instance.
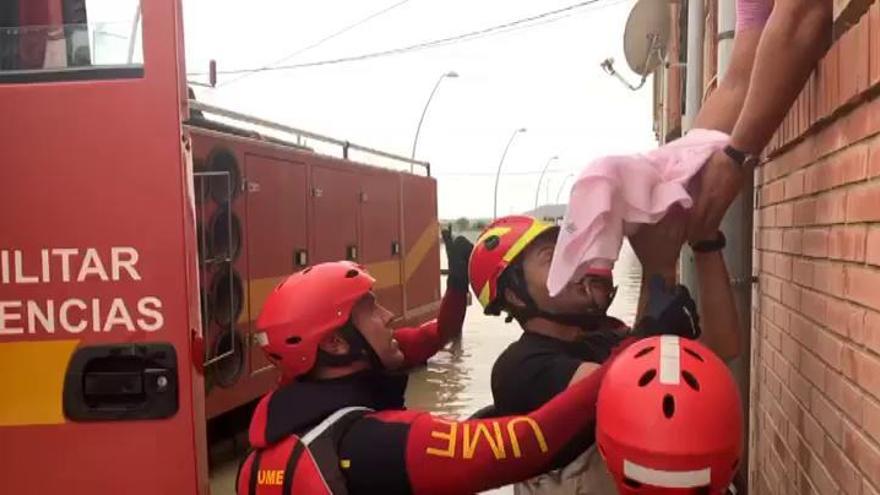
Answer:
(140, 233)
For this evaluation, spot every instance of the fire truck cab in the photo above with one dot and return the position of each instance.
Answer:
(138, 238)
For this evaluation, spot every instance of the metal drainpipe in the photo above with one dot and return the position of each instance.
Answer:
(737, 227)
(693, 99)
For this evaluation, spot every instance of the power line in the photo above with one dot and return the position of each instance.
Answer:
(321, 41)
(469, 36)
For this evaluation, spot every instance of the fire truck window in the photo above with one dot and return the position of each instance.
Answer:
(52, 40)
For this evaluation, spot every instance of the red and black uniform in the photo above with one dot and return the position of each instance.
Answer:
(390, 450)
(536, 368)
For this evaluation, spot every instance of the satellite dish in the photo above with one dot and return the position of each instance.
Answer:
(646, 34)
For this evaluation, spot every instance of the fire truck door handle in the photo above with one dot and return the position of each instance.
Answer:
(300, 258)
(351, 253)
(395, 248)
(121, 382)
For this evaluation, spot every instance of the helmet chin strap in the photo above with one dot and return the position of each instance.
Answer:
(358, 349)
(587, 321)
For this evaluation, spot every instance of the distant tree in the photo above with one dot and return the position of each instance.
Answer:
(462, 224)
(479, 225)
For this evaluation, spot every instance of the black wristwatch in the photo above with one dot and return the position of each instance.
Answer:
(741, 158)
(711, 245)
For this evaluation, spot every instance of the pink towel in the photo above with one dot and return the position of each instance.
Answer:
(615, 193)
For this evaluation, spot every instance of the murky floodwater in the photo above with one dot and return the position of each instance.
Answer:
(456, 381)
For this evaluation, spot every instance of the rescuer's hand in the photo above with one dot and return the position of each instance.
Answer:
(670, 311)
(721, 180)
(458, 254)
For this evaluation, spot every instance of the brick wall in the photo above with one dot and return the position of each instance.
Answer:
(815, 385)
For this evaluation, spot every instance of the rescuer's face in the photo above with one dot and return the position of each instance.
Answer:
(576, 297)
(373, 321)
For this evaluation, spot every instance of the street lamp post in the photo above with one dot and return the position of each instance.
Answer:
(451, 74)
(498, 174)
(538, 186)
(558, 193)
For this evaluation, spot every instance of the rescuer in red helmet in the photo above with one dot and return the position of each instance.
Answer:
(669, 420)
(568, 336)
(337, 422)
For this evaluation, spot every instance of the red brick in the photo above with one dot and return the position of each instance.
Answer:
(802, 272)
(863, 454)
(772, 286)
(874, 156)
(862, 59)
(783, 266)
(791, 350)
(813, 369)
(794, 185)
(856, 323)
(868, 372)
(814, 306)
(863, 286)
(870, 335)
(813, 433)
(847, 75)
(829, 349)
(831, 208)
(791, 296)
(872, 420)
(805, 212)
(772, 239)
(833, 64)
(859, 123)
(792, 241)
(873, 246)
(830, 139)
(867, 487)
(773, 192)
(828, 416)
(863, 203)
(829, 278)
(767, 217)
(844, 472)
(801, 388)
(851, 165)
(785, 214)
(874, 52)
(819, 475)
(837, 316)
(816, 242)
(848, 243)
(846, 396)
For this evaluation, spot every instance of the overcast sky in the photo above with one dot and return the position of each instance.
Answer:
(546, 78)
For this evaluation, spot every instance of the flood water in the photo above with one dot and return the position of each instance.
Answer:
(456, 381)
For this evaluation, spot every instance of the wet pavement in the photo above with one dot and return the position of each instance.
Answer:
(456, 381)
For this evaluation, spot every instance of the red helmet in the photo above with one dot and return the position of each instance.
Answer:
(498, 246)
(305, 308)
(669, 419)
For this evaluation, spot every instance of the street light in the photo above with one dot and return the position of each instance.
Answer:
(498, 174)
(569, 176)
(538, 186)
(452, 75)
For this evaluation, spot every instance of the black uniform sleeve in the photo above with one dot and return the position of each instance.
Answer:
(522, 384)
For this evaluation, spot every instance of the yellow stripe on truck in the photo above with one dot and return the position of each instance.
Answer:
(32, 381)
(386, 273)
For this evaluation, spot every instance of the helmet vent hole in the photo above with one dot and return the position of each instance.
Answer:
(668, 406)
(691, 380)
(293, 340)
(631, 483)
(647, 377)
(644, 351)
(492, 242)
(694, 354)
(351, 274)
